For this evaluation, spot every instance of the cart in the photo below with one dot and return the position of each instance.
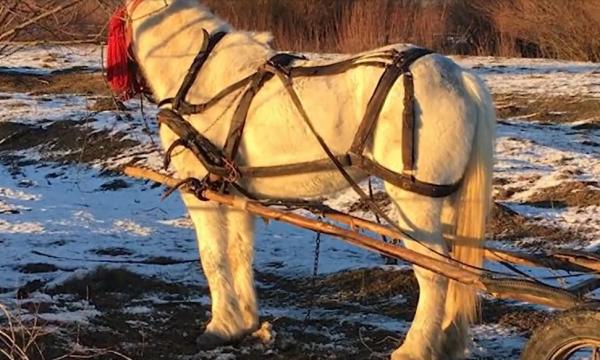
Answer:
(573, 333)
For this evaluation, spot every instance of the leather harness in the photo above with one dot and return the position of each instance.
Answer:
(220, 162)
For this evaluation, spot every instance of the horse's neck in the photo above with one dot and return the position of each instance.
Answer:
(238, 55)
(165, 45)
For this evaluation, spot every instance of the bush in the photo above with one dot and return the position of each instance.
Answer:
(531, 28)
(548, 28)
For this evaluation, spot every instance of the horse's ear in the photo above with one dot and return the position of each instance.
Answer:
(263, 37)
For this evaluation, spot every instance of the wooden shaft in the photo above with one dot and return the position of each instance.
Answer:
(510, 288)
(584, 259)
(438, 265)
(553, 261)
(556, 261)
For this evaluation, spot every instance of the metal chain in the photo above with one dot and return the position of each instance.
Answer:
(313, 285)
(388, 260)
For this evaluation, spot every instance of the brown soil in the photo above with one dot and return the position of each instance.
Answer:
(508, 225)
(380, 198)
(73, 81)
(504, 190)
(555, 109)
(568, 193)
(526, 319)
(63, 141)
(170, 327)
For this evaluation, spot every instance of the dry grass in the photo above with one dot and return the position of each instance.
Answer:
(557, 109)
(24, 340)
(532, 28)
(19, 341)
(548, 28)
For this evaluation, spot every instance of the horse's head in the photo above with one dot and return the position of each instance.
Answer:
(122, 69)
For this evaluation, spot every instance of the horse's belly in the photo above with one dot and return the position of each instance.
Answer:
(301, 186)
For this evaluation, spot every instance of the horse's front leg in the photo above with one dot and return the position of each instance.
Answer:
(240, 251)
(226, 325)
(420, 216)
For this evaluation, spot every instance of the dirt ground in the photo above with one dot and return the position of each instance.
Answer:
(172, 327)
(160, 329)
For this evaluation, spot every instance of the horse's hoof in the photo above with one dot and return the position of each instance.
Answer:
(210, 341)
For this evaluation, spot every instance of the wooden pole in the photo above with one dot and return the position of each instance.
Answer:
(556, 261)
(438, 265)
(510, 288)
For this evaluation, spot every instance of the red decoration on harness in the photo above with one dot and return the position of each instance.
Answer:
(120, 68)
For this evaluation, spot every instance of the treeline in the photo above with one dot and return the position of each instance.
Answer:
(566, 29)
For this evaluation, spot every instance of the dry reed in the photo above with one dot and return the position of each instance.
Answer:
(566, 29)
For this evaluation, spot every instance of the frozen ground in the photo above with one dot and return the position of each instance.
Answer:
(62, 214)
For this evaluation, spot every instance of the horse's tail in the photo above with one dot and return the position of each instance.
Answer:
(472, 204)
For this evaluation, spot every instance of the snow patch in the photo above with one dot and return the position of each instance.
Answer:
(8, 227)
(132, 227)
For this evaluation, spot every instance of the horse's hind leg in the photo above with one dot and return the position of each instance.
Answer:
(211, 231)
(420, 216)
(240, 249)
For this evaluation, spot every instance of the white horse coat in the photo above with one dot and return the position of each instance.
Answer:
(454, 131)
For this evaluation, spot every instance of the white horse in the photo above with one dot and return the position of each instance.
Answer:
(454, 134)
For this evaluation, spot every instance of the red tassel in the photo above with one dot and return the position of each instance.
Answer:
(119, 67)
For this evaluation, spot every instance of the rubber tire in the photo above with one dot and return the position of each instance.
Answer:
(566, 327)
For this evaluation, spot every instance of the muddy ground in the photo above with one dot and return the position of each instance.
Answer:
(131, 322)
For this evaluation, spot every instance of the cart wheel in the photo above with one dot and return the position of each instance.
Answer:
(573, 334)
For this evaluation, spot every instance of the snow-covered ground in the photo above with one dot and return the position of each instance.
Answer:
(63, 214)
(48, 58)
(536, 76)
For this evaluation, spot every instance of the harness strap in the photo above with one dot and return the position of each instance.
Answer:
(351, 160)
(375, 60)
(185, 108)
(207, 153)
(289, 86)
(213, 159)
(238, 121)
(341, 66)
(220, 163)
(408, 125)
(197, 64)
(400, 65)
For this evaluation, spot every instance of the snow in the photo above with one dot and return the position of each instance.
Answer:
(47, 58)
(536, 76)
(487, 345)
(138, 310)
(69, 217)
